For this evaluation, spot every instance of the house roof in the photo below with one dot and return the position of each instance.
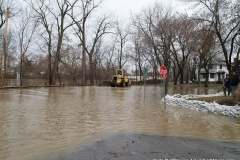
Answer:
(217, 61)
(220, 61)
(221, 71)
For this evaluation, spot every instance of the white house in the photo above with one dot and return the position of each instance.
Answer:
(217, 72)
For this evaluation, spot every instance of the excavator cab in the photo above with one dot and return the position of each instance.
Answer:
(119, 72)
(119, 79)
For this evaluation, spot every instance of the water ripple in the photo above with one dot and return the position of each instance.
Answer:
(37, 122)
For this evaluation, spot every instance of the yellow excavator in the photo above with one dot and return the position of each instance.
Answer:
(119, 79)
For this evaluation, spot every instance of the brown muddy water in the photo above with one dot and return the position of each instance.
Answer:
(38, 122)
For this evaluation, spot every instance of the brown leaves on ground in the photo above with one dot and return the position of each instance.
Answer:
(237, 96)
(222, 100)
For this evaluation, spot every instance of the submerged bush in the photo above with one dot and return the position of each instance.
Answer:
(222, 100)
(229, 101)
(237, 95)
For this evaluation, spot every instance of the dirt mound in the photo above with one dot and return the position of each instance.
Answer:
(105, 83)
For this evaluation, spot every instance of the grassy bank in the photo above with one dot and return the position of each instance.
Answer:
(223, 100)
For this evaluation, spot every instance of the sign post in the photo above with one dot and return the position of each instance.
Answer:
(145, 70)
(163, 74)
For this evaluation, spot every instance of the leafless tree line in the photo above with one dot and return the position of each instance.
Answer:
(68, 41)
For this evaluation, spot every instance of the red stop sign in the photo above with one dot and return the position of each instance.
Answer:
(163, 72)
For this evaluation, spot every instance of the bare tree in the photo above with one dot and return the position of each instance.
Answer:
(70, 62)
(166, 32)
(42, 11)
(86, 8)
(102, 27)
(155, 26)
(206, 49)
(107, 62)
(224, 17)
(183, 45)
(12, 56)
(7, 10)
(64, 8)
(38, 65)
(144, 23)
(111, 60)
(137, 52)
(121, 38)
(25, 30)
(53, 15)
(13, 9)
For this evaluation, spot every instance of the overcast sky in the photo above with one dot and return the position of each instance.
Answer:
(124, 8)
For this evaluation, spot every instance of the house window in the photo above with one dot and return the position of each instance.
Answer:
(220, 66)
(212, 75)
(211, 66)
(204, 75)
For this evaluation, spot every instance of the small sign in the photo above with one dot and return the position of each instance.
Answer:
(163, 72)
(145, 70)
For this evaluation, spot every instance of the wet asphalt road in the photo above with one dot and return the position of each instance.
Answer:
(128, 146)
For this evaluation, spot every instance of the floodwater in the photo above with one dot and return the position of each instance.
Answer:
(38, 122)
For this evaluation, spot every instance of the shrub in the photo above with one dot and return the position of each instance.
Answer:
(229, 101)
(222, 100)
(237, 95)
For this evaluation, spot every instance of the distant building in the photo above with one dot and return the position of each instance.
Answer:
(217, 72)
(137, 78)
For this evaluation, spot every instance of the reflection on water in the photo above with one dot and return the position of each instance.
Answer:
(193, 90)
(42, 121)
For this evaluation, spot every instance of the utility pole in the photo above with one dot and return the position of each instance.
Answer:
(4, 49)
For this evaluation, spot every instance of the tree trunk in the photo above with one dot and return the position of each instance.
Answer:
(59, 79)
(4, 54)
(50, 80)
(207, 80)
(21, 70)
(57, 58)
(83, 80)
(176, 78)
(181, 75)
(90, 69)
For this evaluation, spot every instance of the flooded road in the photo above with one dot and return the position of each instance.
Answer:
(38, 122)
